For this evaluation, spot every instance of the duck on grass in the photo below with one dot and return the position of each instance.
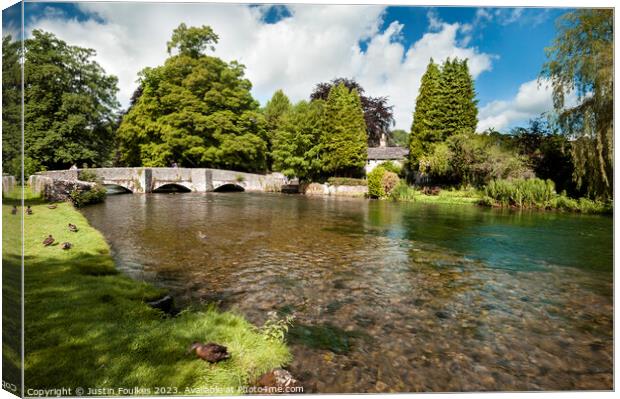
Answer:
(88, 325)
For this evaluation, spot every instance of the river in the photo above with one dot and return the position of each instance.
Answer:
(388, 296)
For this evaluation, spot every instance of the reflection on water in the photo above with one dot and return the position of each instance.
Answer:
(388, 297)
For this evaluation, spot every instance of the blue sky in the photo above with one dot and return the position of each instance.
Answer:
(294, 47)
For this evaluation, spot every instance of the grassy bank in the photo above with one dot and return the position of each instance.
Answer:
(526, 194)
(538, 194)
(88, 326)
(406, 193)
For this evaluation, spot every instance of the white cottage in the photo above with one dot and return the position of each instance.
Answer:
(378, 155)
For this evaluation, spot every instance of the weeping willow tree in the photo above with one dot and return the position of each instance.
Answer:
(580, 63)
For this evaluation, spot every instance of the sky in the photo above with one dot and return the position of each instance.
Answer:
(294, 47)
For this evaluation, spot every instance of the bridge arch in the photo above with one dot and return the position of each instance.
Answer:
(171, 187)
(228, 188)
(115, 188)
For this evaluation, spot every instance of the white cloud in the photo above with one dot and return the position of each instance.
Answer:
(532, 99)
(315, 44)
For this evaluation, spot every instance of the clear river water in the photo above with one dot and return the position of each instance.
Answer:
(387, 296)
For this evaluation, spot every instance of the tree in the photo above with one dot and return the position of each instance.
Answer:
(276, 109)
(343, 143)
(580, 62)
(70, 105)
(445, 106)
(11, 107)
(398, 138)
(192, 41)
(296, 143)
(548, 153)
(378, 116)
(426, 126)
(195, 110)
(457, 106)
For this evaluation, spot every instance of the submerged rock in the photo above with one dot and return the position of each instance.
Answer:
(442, 314)
(278, 378)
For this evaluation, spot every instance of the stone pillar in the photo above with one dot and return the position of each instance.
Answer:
(208, 180)
(145, 178)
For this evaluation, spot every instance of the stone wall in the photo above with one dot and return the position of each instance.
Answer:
(146, 180)
(8, 184)
(55, 189)
(338, 191)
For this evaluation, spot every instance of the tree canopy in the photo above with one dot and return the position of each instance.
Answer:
(378, 116)
(445, 106)
(192, 41)
(11, 106)
(580, 62)
(296, 143)
(343, 143)
(70, 105)
(196, 111)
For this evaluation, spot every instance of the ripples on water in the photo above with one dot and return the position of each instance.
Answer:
(388, 297)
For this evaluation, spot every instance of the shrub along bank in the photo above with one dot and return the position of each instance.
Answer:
(86, 325)
(537, 193)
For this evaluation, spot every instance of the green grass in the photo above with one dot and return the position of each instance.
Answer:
(538, 194)
(88, 326)
(406, 193)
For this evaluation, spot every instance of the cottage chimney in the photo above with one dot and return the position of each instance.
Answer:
(382, 140)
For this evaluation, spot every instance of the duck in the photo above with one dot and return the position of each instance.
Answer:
(52, 206)
(202, 235)
(28, 210)
(72, 227)
(14, 210)
(66, 245)
(48, 241)
(210, 352)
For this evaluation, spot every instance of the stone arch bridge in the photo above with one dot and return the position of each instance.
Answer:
(147, 180)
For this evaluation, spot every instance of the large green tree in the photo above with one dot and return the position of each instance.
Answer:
(297, 141)
(195, 110)
(378, 115)
(276, 109)
(445, 106)
(457, 106)
(343, 143)
(11, 106)
(70, 105)
(581, 62)
(426, 125)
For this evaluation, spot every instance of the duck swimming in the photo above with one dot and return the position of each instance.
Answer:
(48, 241)
(210, 352)
(72, 227)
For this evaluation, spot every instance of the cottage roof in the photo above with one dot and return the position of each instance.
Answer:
(381, 153)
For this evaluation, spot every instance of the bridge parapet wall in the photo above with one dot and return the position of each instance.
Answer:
(146, 180)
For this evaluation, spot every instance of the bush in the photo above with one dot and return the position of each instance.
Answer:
(346, 181)
(403, 192)
(522, 193)
(375, 186)
(538, 193)
(391, 167)
(82, 197)
(88, 175)
(389, 180)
